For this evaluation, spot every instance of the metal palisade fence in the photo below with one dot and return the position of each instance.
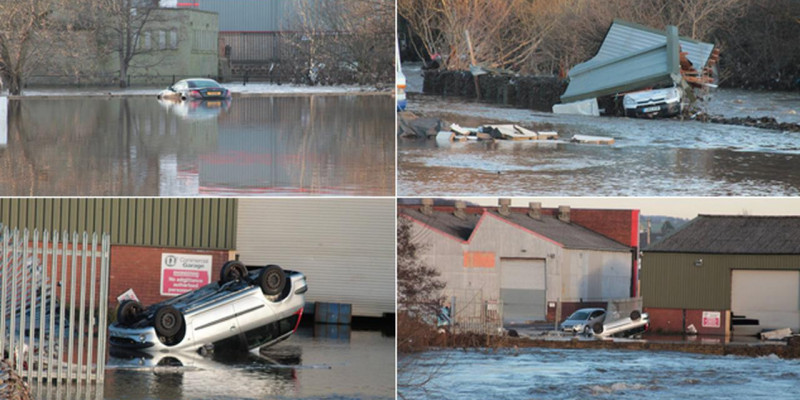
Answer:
(54, 304)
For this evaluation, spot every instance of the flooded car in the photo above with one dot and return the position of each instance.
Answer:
(197, 89)
(653, 103)
(261, 307)
(636, 323)
(584, 320)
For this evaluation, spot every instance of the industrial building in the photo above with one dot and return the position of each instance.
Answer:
(719, 271)
(520, 263)
(344, 247)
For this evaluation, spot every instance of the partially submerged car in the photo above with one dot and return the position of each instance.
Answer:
(634, 324)
(653, 103)
(262, 307)
(584, 320)
(195, 89)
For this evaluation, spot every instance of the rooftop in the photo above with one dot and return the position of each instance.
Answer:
(720, 234)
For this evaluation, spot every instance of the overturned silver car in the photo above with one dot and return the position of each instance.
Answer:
(262, 307)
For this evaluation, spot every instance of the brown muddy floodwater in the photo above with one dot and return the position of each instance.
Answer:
(139, 146)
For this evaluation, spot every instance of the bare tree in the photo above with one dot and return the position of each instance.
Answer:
(23, 24)
(346, 36)
(122, 25)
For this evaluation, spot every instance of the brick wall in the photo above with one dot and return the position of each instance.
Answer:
(139, 268)
(675, 320)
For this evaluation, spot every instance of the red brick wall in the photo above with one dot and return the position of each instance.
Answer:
(139, 268)
(619, 225)
(671, 320)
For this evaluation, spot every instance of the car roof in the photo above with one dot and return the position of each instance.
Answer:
(589, 309)
(198, 80)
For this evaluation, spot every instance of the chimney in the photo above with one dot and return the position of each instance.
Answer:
(460, 212)
(427, 207)
(535, 210)
(563, 213)
(504, 207)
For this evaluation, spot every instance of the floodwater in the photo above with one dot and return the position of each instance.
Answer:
(600, 374)
(322, 362)
(649, 157)
(140, 146)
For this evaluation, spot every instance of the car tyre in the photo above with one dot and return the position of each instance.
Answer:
(129, 312)
(168, 321)
(233, 271)
(635, 315)
(587, 330)
(272, 280)
(598, 328)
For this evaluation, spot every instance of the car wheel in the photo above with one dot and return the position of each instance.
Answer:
(587, 330)
(635, 315)
(272, 280)
(598, 328)
(232, 271)
(168, 321)
(129, 312)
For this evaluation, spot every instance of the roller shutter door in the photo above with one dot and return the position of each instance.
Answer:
(345, 247)
(772, 297)
(522, 290)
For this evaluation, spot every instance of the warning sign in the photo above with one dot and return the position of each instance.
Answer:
(711, 319)
(181, 273)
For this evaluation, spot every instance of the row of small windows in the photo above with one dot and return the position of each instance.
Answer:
(160, 40)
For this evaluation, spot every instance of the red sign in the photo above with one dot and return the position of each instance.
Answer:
(181, 273)
(711, 319)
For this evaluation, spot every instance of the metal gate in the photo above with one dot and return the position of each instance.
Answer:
(54, 304)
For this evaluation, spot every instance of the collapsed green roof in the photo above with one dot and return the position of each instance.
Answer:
(634, 57)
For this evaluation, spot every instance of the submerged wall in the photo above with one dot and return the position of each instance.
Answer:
(532, 92)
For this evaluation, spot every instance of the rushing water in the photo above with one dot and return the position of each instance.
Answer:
(648, 158)
(329, 362)
(601, 374)
(139, 146)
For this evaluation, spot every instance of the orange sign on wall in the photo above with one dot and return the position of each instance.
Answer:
(479, 259)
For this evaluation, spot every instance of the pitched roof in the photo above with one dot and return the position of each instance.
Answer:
(446, 222)
(718, 234)
(571, 235)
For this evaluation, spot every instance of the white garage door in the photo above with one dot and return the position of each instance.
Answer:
(345, 247)
(522, 289)
(772, 297)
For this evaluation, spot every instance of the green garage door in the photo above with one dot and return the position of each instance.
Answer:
(522, 290)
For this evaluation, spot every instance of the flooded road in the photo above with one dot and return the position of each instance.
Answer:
(329, 362)
(601, 374)
(139, 146)
(649, 158)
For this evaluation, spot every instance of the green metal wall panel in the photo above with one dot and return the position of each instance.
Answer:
(185, 223)
(671, 280)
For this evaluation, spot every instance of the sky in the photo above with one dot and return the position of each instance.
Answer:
(681, 207)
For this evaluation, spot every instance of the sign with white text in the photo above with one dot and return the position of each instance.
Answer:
(711, 319)
(181, 273)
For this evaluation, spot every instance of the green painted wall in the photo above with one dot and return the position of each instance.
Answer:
(671, 280)
(183, 223)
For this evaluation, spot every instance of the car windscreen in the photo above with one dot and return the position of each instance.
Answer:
(579, 315)
(200, 84)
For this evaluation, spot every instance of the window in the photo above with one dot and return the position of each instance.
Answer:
(146, 41)
(173, 39)
(162, 40)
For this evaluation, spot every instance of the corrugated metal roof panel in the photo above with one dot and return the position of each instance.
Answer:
(625, 37)
(631, 57)
(618, 75)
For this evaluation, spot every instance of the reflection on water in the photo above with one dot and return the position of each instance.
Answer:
(339, 145)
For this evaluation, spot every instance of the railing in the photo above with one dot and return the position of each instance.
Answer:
(54, 304)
